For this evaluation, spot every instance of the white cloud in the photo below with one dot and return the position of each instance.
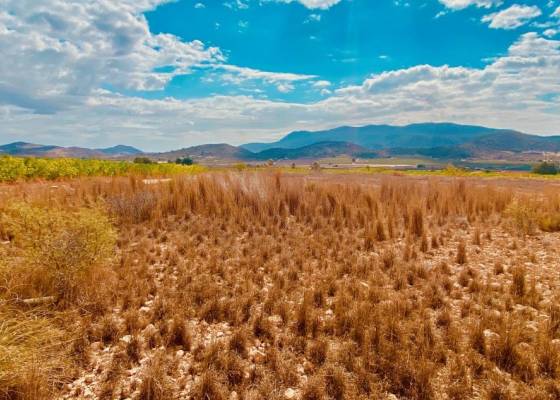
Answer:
(285, 87)
(239, 74)
(65, 54)
(313, 4)
(511, 92)
(321, 84)
(512, 17)
(61, 50)
(461, 4)
(550, 32)
(556, 13)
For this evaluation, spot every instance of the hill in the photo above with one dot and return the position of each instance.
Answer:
(221, 151)
(120, 150)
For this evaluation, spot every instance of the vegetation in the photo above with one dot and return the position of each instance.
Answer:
(13, 169)
(280, 286)
(184, 161)
(545, 168)
(143, 160)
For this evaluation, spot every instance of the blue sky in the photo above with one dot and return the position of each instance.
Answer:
(163, 74)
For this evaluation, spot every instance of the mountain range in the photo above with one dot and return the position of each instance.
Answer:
(444, 141)
(39, 150)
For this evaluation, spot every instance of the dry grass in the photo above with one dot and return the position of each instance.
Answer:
(256, 285)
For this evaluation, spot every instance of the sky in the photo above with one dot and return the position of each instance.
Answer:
(167, 74)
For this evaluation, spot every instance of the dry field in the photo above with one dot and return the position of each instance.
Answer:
(263, 286)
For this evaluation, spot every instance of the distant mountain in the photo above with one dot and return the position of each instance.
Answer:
(383, 136)
(315, 151)
(217, 152)
(39, 150)
(23, 148)
(120, 150)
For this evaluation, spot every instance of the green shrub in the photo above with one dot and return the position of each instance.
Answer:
(142, 160)
(545, 168)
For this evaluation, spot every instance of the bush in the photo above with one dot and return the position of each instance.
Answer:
(142, 160)
(545, 168)
(184, 161)
(61, 251)
(523, 216)
(550, 222)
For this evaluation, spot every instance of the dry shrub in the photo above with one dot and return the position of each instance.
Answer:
(550, 222)
(179, 335)
(209, 387)
(519, 285)
(156, 384)
(65, 253)
(313, 389)
(238, 342)
(335, 382)
(523, 215)
(318, 352)
(461, 257)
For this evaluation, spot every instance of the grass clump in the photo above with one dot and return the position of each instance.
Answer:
(32, 362)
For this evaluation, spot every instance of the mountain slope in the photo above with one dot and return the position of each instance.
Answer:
(23, 148)
(514, 141)
(316, 150)
(383, 136)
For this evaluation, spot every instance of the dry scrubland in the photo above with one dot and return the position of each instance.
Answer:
(262, 286)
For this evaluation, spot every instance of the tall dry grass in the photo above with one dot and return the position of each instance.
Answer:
(333, 289)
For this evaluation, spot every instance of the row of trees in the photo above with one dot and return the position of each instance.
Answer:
(15, 168)
(180, 161)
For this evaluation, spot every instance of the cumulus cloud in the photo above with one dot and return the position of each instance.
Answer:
(57, 51)
(512, 17)
(66, 56)
(461, 4)
(511, 92)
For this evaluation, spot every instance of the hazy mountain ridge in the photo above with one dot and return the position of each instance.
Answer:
(383, 136)
(38, 150)
(316, 150)
(436, 140)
